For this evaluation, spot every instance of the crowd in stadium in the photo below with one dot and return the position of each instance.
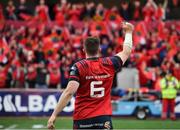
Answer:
(37, 51)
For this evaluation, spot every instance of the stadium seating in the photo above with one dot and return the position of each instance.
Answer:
(50, 46)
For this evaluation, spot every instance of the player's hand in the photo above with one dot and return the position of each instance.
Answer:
(50, 123)
(127, 27)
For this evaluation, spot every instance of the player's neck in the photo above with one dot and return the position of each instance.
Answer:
(95, 56)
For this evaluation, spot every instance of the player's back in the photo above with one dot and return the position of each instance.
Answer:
(95, 76)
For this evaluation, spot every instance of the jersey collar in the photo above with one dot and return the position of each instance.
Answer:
(92, 58)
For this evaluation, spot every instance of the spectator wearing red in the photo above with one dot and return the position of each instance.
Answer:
(1, 13)
(140, 33)
(18, 76)
(77, 38)
(1, 17)
(157, 84)
(31, 75)
(161, 11)
(49, 42)
(4, 51)
(74, 13)
(54, 76)
(98, 28)
(113, 18)
(147, 76)
(42, 11)
(137, 13)
(3, 76)
(10, 10)
(62, 6)
(176, 69)
(60, 12)
(149, 10)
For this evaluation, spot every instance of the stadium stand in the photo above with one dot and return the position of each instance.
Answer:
(37, 47)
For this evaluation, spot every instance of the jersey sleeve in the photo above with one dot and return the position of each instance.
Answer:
(117, 63)
(74, 73)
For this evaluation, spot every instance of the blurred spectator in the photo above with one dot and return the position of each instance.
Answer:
(65, 71)
(173, 11)
(177, 57)
(169, 88)
(89, 11)
(10, 10)
(137, 14)
(74, 12)
(149, 10)
(104, 46)
(42, 11)
(54, 76)
(1, 14)
(161, 10)
(29, 48)
(3, 76)
(41, 77)
(31, 75)
(39, 55)
(125, 10)
(99, 13)
(17, 71)
(59, 10)
(176, 71)
(23, 11)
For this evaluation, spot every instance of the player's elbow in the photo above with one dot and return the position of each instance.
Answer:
(71, 88)
(124, 55)
(68, 92)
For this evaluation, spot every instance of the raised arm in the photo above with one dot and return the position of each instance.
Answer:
(127, 45)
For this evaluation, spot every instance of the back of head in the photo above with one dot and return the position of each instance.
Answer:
(91, 46)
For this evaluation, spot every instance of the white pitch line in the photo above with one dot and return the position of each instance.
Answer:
(11, 127)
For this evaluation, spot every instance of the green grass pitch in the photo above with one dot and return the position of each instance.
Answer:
(12, 123)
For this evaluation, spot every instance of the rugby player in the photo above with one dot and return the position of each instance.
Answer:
(91, 80)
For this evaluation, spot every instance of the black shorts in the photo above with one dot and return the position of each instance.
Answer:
(99, 122)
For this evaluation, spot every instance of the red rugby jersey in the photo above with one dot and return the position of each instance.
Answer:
(95, 76)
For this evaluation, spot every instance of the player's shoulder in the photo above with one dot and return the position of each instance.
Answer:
(82, 63)
(106, 60)
(110, 60)
(114, 61)
(74, 69)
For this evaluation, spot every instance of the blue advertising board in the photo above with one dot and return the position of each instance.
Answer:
(34, 102)
(31, 102)
(128, 108)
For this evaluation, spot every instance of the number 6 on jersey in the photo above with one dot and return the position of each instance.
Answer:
(99, 90)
